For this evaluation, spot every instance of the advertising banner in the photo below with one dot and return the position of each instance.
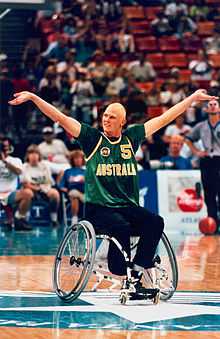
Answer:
(148, 190)
(180, 200)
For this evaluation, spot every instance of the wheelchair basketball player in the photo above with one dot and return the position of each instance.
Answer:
(111, 183)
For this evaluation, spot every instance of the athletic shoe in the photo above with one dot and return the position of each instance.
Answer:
(54, 224)
(21, 225)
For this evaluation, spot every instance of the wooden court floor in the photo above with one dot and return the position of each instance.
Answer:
(29, 308)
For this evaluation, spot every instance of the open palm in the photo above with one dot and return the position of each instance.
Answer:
(20, 97)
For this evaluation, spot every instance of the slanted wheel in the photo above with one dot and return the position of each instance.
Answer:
(166, 270)
(74, 261)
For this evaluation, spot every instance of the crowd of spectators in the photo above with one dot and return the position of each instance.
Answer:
(84, 55)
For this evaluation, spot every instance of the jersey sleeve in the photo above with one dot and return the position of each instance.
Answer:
(88, 138)
(136, 135)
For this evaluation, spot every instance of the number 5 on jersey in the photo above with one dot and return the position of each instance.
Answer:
(125, 151)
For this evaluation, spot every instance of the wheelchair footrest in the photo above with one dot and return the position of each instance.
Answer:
(146, 293)
(149, 293)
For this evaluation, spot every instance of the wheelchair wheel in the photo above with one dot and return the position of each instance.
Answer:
(166, 269)
(166, 272)
(74, 261)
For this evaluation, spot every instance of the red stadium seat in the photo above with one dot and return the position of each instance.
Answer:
(140, 27)
(157, 60)
(206, 28)
(134, 12)
(154, 111)
(159, 82)
(215, 60)
(148, 43)
(169, 44)
(146, 87)
(192, 44)
(176, 60)
(185, 75)
(212, 2)
(151, 12)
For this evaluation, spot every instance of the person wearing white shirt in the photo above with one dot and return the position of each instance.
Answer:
(37, 177)
(10, 169)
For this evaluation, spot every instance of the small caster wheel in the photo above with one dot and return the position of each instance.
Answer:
(156, 298)
(123, 298)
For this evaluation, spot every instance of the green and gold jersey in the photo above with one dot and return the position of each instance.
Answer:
(111, 167)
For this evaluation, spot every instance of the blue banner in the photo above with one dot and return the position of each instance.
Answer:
(148, 190)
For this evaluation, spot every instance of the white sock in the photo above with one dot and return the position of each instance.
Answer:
(138, 268)
(18, 215)
(74, 219)
(53, 216)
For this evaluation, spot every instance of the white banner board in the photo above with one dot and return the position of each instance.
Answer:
(178, 201)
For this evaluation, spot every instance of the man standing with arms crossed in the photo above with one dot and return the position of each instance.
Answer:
(111, 185)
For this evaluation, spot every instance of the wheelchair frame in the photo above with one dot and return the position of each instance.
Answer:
(84, 263)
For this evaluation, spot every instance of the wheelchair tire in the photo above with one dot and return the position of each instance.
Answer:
(165, 295)
(74, 261)
(170, 267)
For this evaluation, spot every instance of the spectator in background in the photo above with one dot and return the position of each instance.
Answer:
(201, 67)
(175, 146)
(212, 43)
(69, 65)
(126, 41)
(53, 149)
(153, 97)
(198, 11)
(72, 182)
(178, 93)
(10, 195)
(173, 8)
(136, 106)
(6, 90)
(185, 26)
(165, 95)
(82, 92)
(20, 82)
(59, 50)
(142, 70)
(50, 91)
(37, 178)
(99, 71)
(116, 83)
(161, 26)
(50, 79)
(178, 128)
(100, 29)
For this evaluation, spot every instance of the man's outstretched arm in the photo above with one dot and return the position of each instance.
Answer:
(171, 114)
(71, 125)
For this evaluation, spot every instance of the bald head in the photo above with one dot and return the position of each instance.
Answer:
(177, 139)
(113, 119)
(118, 109)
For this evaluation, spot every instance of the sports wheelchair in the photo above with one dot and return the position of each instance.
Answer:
(77, 262)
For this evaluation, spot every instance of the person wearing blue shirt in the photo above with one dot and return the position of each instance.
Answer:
(72, 182)
(179, 162)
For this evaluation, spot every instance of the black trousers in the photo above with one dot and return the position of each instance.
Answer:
(210, 174)
(123, 223)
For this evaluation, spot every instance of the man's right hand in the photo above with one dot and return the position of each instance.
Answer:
(21, 97)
